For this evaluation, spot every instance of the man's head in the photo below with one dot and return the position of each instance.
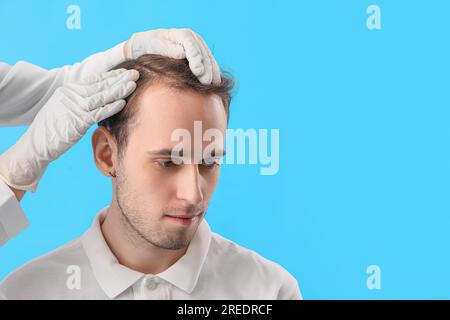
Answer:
(137, 143)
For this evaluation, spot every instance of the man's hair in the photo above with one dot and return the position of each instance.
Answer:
(174, 73)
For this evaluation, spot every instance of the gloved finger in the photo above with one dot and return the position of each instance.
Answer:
(207, 76)
(96, 77)
(192, 49)
(89, 90)
(119, 91)
(195, 58)
(108, 110)
(216, 74)
(143, 43)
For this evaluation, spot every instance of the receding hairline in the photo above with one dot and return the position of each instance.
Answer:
(164, 82)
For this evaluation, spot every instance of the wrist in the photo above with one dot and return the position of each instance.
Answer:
(126, 52)
(18, 193)
(19, 169)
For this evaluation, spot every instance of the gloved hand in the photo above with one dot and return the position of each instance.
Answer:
(173, 43)
(177, 44)
(63, 121)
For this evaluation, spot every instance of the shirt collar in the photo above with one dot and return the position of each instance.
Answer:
(115, 278)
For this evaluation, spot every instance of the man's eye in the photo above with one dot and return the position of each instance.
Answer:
(209, 164)
(167, 163)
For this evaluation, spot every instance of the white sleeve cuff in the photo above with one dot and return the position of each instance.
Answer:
(12, 218)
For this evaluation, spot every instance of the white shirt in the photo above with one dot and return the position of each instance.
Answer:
(24, 90)
(212, 268)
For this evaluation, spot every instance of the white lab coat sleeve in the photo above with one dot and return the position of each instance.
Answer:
(25, 88)
(12, 218)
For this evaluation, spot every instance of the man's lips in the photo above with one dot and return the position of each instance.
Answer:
(184, 219)
(185, 216)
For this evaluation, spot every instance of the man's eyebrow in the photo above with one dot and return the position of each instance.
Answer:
(168, 152)
(161, 152)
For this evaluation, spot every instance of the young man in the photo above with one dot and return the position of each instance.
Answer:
(152, 241)
(93, 94)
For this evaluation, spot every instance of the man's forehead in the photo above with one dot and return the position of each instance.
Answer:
(161, 110)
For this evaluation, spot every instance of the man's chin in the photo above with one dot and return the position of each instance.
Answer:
(177, 243)
(181, 235)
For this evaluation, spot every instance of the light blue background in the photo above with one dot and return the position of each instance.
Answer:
(364, 123)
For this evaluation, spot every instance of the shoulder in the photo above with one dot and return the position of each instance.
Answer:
(41, 277)
(251, 267)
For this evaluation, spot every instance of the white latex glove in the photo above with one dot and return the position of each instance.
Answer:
(177, 44)
(63, 121)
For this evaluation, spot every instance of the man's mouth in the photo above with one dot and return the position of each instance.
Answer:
(184, 219)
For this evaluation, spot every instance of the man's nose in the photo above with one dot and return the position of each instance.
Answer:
(189, 186)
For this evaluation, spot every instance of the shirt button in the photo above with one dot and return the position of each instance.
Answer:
(151, 284)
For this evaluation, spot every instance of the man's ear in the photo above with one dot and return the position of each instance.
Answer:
(104, 147)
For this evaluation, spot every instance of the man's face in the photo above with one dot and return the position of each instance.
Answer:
(149, 186)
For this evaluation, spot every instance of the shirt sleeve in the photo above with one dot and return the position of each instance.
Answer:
(25, 88)
(290, 289)
(12, 218)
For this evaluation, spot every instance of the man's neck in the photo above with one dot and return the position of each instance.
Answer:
(131, 250)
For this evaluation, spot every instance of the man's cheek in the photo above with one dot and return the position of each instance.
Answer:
(211, 182)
